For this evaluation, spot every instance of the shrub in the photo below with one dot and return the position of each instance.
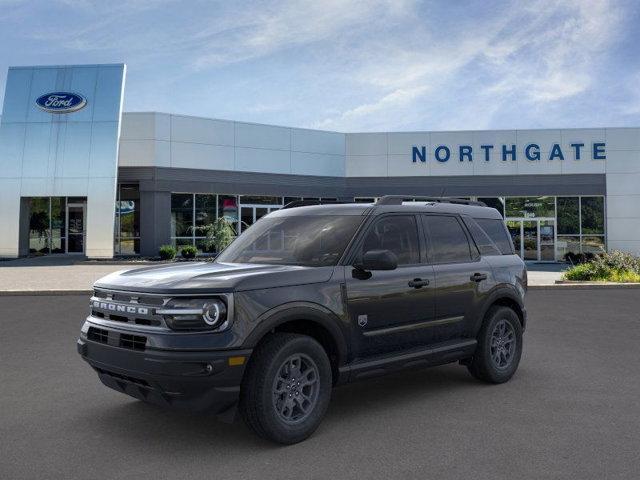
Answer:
(167, 252)
(578, 258)
(582, 271)
(218, 234)
(614, 266)
(188, 251)
(617, 260)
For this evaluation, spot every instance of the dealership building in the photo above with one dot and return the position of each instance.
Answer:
(80, 176)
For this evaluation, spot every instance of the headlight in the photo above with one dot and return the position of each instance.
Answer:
(195, 314)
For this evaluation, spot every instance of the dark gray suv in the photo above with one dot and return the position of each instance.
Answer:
(310, 297)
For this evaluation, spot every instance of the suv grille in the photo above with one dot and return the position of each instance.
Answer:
(128, 308)
(134, 342)
(98, 335)
(123, 340)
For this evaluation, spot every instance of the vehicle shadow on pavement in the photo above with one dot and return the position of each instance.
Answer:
(133, 422)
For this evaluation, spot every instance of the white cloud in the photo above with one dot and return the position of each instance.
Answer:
(349, 64)
(535, 53)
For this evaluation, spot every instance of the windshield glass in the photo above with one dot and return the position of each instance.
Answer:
(311, 241)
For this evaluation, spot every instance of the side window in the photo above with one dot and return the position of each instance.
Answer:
(449, 243)
(397, 233)
(497, 232)
(482, 240)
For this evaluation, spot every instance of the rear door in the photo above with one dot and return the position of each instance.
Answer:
(389, 310)
(461, 275)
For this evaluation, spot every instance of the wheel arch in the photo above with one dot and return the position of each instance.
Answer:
(313, 320)
(507, 298)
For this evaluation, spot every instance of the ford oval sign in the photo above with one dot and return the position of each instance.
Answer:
(61, 102)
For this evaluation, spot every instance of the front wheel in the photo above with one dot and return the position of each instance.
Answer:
(499, 349)
(287, 388)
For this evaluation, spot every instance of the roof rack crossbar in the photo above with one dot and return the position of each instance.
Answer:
(399, 199)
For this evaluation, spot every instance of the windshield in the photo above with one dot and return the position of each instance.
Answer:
(311, 241)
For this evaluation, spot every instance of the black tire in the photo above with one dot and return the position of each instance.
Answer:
(490, 363)
(270, 370)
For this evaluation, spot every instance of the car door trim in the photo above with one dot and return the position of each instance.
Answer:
(411, 326)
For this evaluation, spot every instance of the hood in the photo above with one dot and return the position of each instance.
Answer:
(202, 277)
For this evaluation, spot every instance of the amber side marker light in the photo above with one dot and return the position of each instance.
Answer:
(236, 361)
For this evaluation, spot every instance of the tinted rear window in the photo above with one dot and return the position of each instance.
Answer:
(497, 232)
(482, 240)
(449, 243)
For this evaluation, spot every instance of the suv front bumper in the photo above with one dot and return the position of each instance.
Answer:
(196, 381)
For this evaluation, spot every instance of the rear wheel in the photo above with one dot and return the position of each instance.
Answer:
(499, 347)
(287, 387)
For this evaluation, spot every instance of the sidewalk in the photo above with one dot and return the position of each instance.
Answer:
(66, 275)
(55, 275)
(540, 274)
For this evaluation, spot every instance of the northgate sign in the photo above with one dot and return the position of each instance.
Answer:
(532, 152)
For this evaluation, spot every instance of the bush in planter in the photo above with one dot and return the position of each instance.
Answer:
(614, 266)
(189, 251)
(167, 252)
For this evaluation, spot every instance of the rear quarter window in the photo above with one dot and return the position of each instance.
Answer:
(497, 232)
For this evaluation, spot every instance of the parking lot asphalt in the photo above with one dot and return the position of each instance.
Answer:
(571, 411)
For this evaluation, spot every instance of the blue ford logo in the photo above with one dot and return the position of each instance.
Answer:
(61, 102)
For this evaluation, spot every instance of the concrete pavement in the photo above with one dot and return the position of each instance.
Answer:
(571, 411)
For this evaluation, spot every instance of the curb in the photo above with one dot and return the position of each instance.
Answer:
(41, 293)
(585, 286)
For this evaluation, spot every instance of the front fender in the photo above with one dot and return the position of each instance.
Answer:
(312, 312)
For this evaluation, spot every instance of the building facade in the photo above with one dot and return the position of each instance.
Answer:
(559, 190)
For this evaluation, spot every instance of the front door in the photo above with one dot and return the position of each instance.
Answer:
(534, 239)
(75, 227)
(391, 309)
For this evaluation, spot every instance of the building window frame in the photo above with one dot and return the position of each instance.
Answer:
(117, 229)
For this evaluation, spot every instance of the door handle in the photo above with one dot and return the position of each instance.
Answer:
(418, 283)
(478, 277)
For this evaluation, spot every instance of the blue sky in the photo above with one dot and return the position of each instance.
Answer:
(347, 65)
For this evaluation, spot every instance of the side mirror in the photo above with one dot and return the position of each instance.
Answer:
(379, 260)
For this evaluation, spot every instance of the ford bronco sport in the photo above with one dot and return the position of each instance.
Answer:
(310, 297)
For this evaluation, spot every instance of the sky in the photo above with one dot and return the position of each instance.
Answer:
(351, 65)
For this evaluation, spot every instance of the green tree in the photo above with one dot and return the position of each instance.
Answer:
(218, 234)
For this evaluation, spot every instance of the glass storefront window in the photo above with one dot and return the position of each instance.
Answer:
(181, 214)
(228, 208)
(567, 244)
(129, 211)
(39, 225)
(127, 226)
(58, 216)
(593, 244)
(580, 223)
(48, 229)
(205, 210)
(260, 200)
(494, 202)
(568, 216)
(530, 207)
(592, 213)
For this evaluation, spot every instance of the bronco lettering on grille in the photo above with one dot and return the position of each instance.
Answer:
(115, 307)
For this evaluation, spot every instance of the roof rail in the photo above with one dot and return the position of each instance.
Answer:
(307, 203)
(399, 199)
